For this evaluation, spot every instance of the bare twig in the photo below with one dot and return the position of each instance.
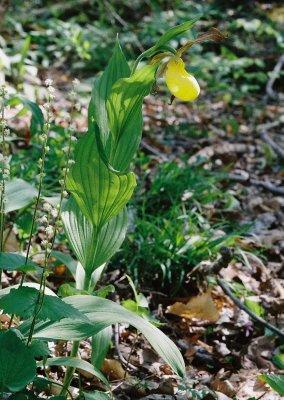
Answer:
(226, 255)
(154, 150)
(274, 75)
(126, 363)
(130, 354)
(278, 190)
(255, 317)
(275, 147)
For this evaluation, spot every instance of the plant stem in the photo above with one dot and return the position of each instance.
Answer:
(74, 352)
(140, 58)
(40, 298)
(2, 197)
(70, 370)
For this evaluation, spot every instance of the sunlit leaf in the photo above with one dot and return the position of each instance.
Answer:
(99, 192)
(276, 382)
(124, 107)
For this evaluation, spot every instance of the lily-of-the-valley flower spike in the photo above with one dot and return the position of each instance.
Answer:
(181, 83)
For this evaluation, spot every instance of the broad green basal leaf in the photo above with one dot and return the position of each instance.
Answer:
(17, 364)
(92, 246)
(117, 68)
(124, 108)
(18, 194)
(103, 313)
(99, 192)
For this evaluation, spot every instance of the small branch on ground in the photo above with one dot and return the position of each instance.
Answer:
(154, 150)
(278, 190)
(126, 363)
(275, 147)
(240, 305)
(223, 262)
(274, 75)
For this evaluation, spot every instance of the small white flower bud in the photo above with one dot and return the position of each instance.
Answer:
(49, 231)
(43, 219)
(47, 207)
(44, 243)
(48, 82)
(54, 213)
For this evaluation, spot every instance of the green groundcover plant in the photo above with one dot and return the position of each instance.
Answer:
(96, 187)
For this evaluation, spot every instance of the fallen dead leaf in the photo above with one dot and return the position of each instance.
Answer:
(113, 369)
(11, 241)
(201, 307)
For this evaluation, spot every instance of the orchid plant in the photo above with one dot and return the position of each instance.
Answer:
(99, 182)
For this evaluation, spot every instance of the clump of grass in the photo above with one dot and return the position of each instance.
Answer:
(177, 223)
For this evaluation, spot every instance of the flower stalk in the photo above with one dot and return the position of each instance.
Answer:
(51, 231)
(5, 170)
(41, 163)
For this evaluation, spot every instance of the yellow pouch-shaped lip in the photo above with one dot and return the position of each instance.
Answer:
(179, 82)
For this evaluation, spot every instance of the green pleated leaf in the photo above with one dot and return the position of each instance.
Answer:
(22, 302)
(117, 68)
(103, 313)
(124, 108)
(93, 247)
(99, 192)
(18, 194)
(17, 364)
(76, 363)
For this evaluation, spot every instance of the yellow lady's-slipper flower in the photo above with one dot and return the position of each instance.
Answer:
(179, 82)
